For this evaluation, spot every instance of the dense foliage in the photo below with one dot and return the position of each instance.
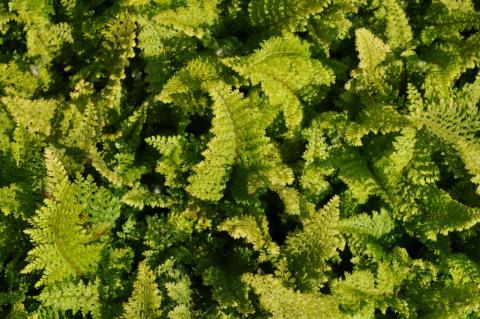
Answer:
(239, 159)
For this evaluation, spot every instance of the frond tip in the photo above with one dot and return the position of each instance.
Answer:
(145, 300)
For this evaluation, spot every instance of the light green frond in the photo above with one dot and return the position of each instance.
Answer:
(376, 226)
(68, 5)
(22, 111)
(375, 118)
(365, 234)
(283, 66)
(77, 297)
(145, 300)
(193, 19)
(237, 140)
(57, 181)
(357, 173)
(398, 30)
(179, 291)
(46, 41)
(139, 197)
(443, 214)
(99, 164)
(371, 50)
(8, 199)
(118, 45)
(254, 230)
(290, 15)
(456, 120)
(308, 250)
(285, 303)
(333, 24)
(18, 82)
(63, 247)
(373, 74)
(295, 203)
(176, 158)
(211, 174)
(186, 87)
(449, 18)
(362, 291)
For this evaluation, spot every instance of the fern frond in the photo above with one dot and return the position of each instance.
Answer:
(139, 197)
(398, 31)
(366, 234)
(285, 303)
(284, 14)
(179, 291)
(375, 118)
(187, 87)
(8, 199)
(46, 40)
(449, 18)
(192, 19)
(210, 175)
(332, 24)
(118, 46)
(308, 250)
(371, 50)
(283, 67)
(62, 246)
(237, 140)
(23, 110)
(255, 231)
(146, 299)
(78, 297)
(443, 214)
(457, 121)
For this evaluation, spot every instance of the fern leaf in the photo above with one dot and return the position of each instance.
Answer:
(371, 50)
(62, 247)
(66, 296)
(211, 175)
(308, 250)
(283, 67)
(236, 141)
(284, 14)
(33, 115)
(193, 19)
(145, 300)
(457, 121)
(398, 30)
(254, 232)
(285, 303)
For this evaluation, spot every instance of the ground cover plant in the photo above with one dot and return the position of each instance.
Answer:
(239, 159)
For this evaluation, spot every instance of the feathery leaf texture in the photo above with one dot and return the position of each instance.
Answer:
(239, 159)
(63, 246)
(285, 15)
(145, 300)
(283, 66)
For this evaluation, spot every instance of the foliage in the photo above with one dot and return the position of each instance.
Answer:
(239, 159)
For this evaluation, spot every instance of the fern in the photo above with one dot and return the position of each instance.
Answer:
(283, 302)
(239, 159)
(21, 110)
(62, 246)
(255, 233)
(283, 67)
(234, 141)
(145, 300)
(211, 175)
(191, 19)
(307, 251)
(284, 15)
(455, 120)
(70, 296)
